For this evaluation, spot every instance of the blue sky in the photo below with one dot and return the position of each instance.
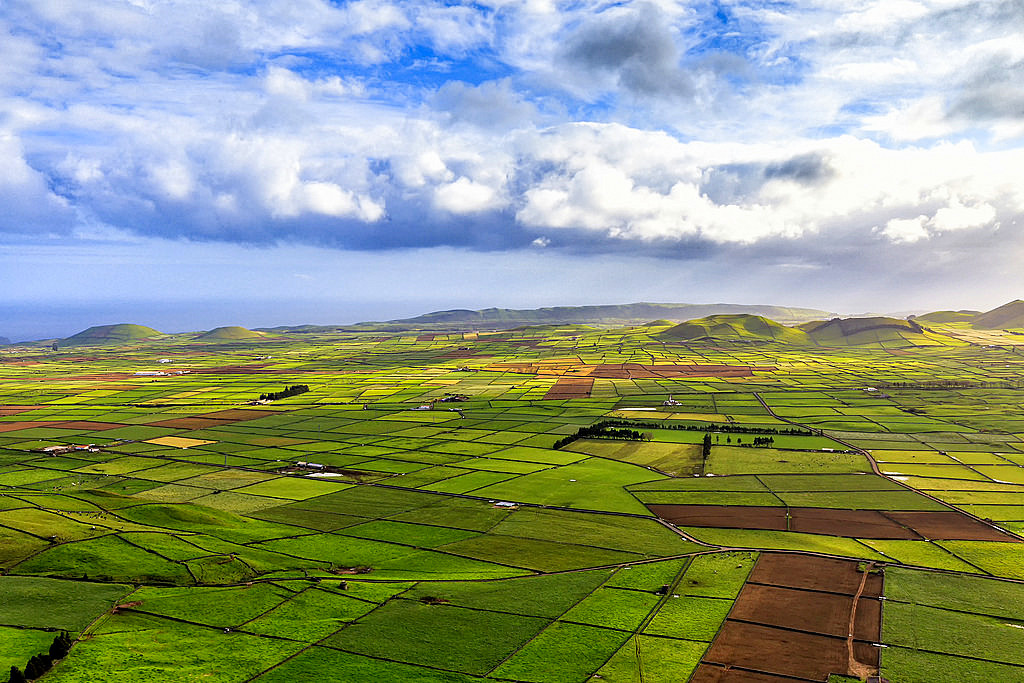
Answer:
(265, 163)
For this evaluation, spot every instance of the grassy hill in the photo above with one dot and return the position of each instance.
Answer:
(834, 332)
(1004, 317)
(111, 334)
(856, 331)
(947, 317)
(733, 327)
(229, 333)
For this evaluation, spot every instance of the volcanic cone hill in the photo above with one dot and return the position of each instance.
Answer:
(111, 334)
(1004, 317)
(741, 327)
(947, 317)
(855, 331)
(229, 333)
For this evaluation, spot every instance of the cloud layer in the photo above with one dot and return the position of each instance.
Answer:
(668, 128)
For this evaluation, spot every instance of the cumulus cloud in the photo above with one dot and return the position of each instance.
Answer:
(642, 125)
(631, 47)
(29, 205)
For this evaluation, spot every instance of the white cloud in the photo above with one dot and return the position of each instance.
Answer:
(466, 196)
(906, 230)
(960, 217)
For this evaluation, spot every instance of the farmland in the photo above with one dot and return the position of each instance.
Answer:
(783, 507)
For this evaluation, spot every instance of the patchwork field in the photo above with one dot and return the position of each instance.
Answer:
(541, 505)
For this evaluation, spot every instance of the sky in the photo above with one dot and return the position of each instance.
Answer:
(188, 164)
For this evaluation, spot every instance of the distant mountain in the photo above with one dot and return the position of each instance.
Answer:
(947, 317)
(1004, 317)
(736, 327)
(110, 334)
(624, 314)
(229, 333)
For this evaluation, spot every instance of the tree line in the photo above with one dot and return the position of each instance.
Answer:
(603, 430)
(41, 663)
(711, 427)
(293, 390)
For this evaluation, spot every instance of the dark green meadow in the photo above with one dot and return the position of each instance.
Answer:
(409, 519)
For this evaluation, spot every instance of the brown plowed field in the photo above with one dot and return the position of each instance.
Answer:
(813, 573)
(7, 411)
(778, 651)
(15, 426)
(950, 526)
(89, 426)
(708, 673)
(791, 620)
(874, 524)
(830, 615)
(570, 387)
(850, 523)
(724, 516)
(189, 423)
(221, 417)
(238, 415)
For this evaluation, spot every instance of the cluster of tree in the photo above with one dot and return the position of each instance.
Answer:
(43, 662)
(763, 442)
(705, 447)
(603, 430)
(293, 390)
(712, 427)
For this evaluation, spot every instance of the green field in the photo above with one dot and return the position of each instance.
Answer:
(409, 518)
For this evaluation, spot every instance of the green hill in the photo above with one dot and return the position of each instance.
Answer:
(856, 331)
(743, 327)
(229, 333)
(111, 334)
(947, 317)
(1007, 316)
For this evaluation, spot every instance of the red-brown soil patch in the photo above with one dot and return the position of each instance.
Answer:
(950, 526)
(708, 673)
(724, 516)
(15, 426)
(812, 573)
(874, 524)
(89, 426)
(7, 411)
(849, 523)
(778, 651)
(216, 419)
(792, 619)
(189, 423)
(425, 338)
(570, 387)
(238, 415)
(826, 614)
